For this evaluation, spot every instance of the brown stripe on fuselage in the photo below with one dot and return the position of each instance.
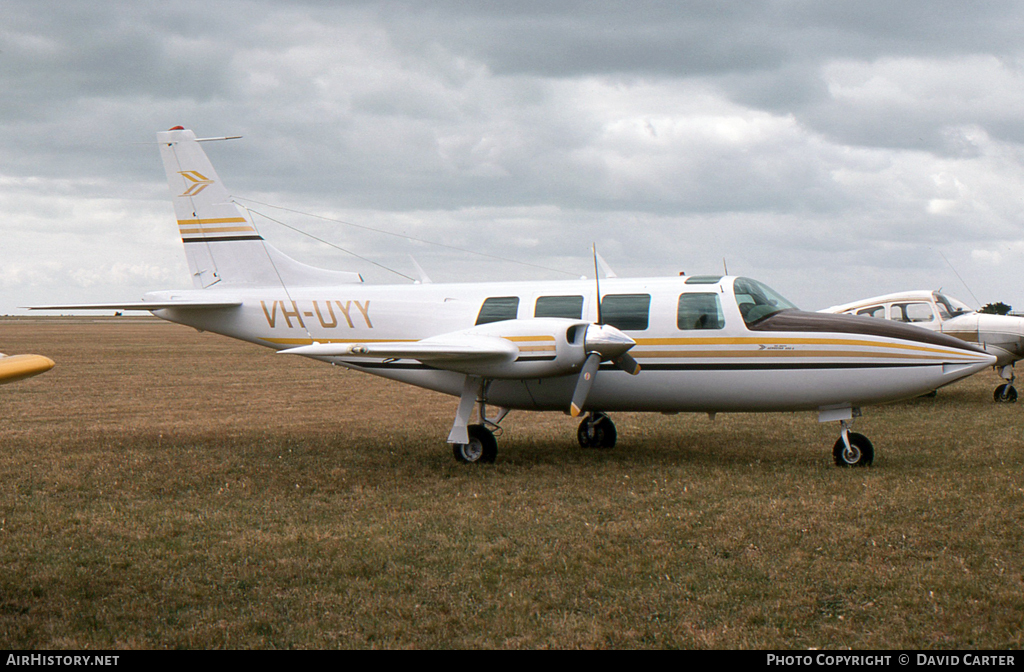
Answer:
(801, 321)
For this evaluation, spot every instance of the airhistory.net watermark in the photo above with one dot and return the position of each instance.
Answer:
(55, 660)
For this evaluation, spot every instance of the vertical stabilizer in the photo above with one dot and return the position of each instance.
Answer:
(221, 244)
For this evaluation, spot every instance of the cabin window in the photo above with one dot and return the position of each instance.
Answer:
(873, 311)
(912, 312)
(628, 312)
(497, 309)
(700, 311)
(570, 307)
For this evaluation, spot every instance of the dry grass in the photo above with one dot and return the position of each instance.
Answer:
(165, 488)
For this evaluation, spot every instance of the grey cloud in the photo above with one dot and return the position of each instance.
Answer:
(804, 140)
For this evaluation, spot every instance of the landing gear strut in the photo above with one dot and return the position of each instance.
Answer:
(597, 431)
(475, 444)
(852, 449)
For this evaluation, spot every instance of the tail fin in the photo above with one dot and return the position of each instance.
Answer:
(221, 245)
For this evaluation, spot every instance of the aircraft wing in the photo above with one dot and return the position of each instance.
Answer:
(142, 305)
(18, 367)
(476, 349)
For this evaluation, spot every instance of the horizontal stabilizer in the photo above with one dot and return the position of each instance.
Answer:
(466, 349)
(142, 305)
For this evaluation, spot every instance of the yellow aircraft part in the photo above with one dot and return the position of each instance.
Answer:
(18, 367)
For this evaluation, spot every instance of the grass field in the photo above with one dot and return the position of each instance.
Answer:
(163, 488)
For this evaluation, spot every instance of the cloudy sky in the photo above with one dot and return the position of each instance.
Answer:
(834, 150)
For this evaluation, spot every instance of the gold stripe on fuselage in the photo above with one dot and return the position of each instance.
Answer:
(756, 354)
(529, 338)
(747, 340)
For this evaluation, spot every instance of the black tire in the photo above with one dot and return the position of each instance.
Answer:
(862, 453)
(481, 449)
(597, 432)
(1005, 393)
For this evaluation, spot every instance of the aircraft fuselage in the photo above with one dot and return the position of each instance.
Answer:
(730, 366)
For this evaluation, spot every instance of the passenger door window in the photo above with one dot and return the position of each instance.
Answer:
(700, 311)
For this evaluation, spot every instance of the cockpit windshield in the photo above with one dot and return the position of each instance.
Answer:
(949, 307)
(757, 301)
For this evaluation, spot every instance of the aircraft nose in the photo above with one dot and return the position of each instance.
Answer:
(959, 358)
(928, 359)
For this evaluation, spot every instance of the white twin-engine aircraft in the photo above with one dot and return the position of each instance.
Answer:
(1001, 335)
(679, 344)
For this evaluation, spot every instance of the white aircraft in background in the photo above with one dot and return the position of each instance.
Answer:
(19, 367)
(707, 343)
(1000, 335)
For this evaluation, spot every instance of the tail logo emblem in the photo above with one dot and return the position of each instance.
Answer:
(198, 182)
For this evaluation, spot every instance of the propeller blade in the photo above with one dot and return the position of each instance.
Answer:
(583, 383)
(626, 362)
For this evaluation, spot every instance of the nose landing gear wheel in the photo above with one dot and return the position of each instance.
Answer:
(481, 449)
(860, 454)
(1005, 393)
(597, 431)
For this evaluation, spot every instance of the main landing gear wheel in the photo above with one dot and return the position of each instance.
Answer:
(481, 449)
(597, 431)
(1005, 393)
(860, 454)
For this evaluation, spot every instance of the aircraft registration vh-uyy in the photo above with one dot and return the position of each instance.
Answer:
(709, 344)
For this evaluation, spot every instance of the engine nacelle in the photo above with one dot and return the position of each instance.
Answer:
(543, 347)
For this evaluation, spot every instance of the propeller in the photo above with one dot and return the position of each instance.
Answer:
(602, 342)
